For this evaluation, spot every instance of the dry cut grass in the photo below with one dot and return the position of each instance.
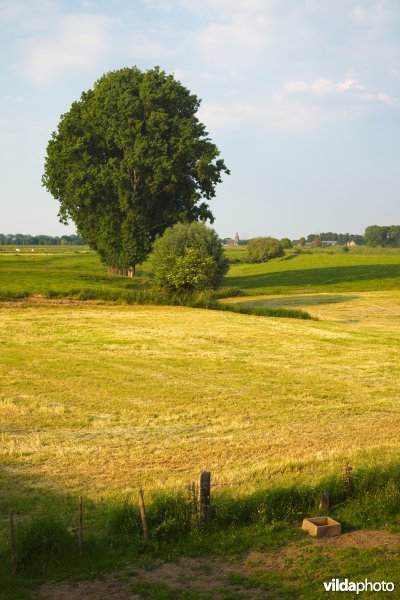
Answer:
(97, 398)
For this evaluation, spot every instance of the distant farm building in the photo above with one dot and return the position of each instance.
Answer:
(351, 243)
(330, 243)
(232, 241)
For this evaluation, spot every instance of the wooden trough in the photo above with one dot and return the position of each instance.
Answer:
(322, 527)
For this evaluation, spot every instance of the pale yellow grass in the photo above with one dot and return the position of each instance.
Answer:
(374, 310)
(98, 398)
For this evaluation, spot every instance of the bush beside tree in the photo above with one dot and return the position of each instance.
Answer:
(188, 257)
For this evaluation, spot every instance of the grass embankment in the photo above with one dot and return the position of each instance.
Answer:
(64, 274)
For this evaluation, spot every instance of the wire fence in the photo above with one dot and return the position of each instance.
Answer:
(167, 516)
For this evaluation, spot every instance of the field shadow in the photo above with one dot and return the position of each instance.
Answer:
(321, 276)
(307, 300)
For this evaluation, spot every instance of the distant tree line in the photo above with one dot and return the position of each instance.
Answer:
(340, 238)
(386, 235)
(20, 239)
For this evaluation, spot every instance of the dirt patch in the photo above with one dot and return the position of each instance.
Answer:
(361, 539)
(87, 590)
(271, 561)
(277, 561)
(208, 577)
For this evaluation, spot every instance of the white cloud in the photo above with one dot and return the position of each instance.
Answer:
(275, 114)
(348, 84)
(326, 86)
(359, 13)
(371, 15)
(75, 42)
(236, 42)
(299, 105)
(389, 100)
(296, 86)
(322, 86)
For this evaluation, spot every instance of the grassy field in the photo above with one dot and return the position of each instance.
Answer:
(318, 272)
(58, 270)
(66, 268)
(97, 398)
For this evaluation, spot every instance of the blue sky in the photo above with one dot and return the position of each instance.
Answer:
(301, 96)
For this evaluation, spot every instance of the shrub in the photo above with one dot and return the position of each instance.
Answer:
(264, 248)
(286, 243)
(188, 257)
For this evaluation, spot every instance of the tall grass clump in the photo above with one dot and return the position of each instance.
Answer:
(42, 541)
(376, 498)
(169, 516)
(190, 299)
(9, 296)
(123, 526)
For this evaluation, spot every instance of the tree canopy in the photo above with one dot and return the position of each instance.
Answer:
(188, 257)
(262, 249)
(130, 159)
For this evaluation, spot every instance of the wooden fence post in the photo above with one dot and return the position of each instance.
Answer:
(204, 497)
(80, 529)
(193, 498)
(142, 508)
(13, 547)
(348, 482)
(324, 502)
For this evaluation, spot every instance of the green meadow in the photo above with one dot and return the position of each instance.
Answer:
(318, 272)
(99, 398)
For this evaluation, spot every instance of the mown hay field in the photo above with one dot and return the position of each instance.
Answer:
(98, 398)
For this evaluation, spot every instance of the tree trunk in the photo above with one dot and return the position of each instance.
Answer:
(124, 272)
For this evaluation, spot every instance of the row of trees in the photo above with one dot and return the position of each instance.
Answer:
(386, 235)
(20, 239)
(340, 238)
(374, 235)
(262, 249)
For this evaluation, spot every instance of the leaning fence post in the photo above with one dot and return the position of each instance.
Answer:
(324, 502)
(193, 498)
(13, 547)
(142, 509)
(80, 529)
(204, 497)
(348, 482)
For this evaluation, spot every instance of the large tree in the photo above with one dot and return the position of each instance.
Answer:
(130, 159)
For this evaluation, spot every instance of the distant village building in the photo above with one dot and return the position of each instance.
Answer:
(351, 243)
(233, 241)
(330, 243)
